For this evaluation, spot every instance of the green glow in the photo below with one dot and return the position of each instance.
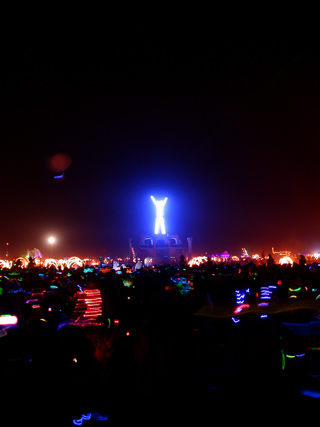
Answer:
(295, 290)
(283, 360)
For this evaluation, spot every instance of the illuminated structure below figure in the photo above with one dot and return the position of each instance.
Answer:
(166, 249)
(159, 218)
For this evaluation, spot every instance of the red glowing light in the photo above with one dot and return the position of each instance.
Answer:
(240, 308)
(88, 305)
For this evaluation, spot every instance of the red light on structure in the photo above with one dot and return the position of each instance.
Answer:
(279, 282)
(127, 333)
(116, 321)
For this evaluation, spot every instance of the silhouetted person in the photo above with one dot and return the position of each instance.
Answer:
(182, 262)
(102, 264)
(270, 261)
(302, 261)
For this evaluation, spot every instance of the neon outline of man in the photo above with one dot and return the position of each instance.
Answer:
(159, 218)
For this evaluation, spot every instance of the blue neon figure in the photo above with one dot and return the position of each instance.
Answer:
(159, 218)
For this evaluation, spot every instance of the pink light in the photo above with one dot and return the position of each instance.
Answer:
(38, 293)
(240, 308)
(6, 320)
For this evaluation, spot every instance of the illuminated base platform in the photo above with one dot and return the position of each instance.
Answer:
(164, 248)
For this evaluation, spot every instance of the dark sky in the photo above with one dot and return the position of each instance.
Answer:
(222, 121)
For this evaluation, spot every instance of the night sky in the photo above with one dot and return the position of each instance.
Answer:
(224, 122)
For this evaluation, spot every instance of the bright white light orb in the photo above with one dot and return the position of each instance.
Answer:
(51, 240)
(285, 260)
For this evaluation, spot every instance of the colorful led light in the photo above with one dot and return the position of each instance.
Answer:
(88, 305)
(265, 292)
(263, 304)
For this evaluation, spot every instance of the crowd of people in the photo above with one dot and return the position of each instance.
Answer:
(161, 336)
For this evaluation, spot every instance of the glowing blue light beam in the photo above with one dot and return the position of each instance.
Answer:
(94, 415)
(310, 393)
(61, 176)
